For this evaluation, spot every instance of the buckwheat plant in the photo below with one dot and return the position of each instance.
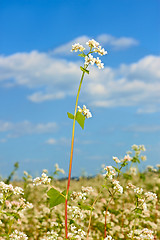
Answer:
(82, 113)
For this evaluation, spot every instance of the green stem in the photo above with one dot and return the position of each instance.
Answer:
(71, 155)
(90, 218)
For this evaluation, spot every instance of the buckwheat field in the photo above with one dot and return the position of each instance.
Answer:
(121, 202)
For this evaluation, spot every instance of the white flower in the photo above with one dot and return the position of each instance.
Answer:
(108, 238)
(92, 43)
(77, 47)
(117, 186)
(44, 179)
(127, 158)
(133, 170)
(85, 111)
(138, 190)
(131, 186)
(143, 158)
(150, 196)
(89, 60)
(18, 190)
(116, 160)
(110, 172)
(100, 65)
(18, 235)
(101, 51)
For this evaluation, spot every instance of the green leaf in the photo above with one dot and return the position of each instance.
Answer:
(84, 70)
(71, 221)
(70, 115)
(82, 55)
(80, 118)
(56, 197)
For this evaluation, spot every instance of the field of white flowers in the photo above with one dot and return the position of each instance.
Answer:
(119, 203)
(115, 204)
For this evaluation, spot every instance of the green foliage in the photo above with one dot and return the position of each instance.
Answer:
(56, 197)
(135, 159)
(80, 118)
(84, 70)
(70, 115)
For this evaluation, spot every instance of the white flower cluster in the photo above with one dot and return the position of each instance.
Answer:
(76, 212)
(59, 169)
(151, 168)
(77, 47)
(94, 48)
(1, 198)
(100, 51)
(85, 111)
(141, 201)
(138, 234)
(91, 60)
(108, 238)
(150, 196)
(110, 172)
(158, 166)
(50, 236)
(22, 203)
(130, 186)
(138, 148)
(77, 234)
(92, 43)
(18, 235)
(127, 158)
(6, 188)
(116, 159)
(117, 186)
(133, 170)
(138, 190)
(87, 190)
(44, 179)
(81, 195)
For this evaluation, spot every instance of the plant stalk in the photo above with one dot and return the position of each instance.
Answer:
(71, 155)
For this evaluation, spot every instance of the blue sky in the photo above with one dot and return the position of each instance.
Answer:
(39, 78)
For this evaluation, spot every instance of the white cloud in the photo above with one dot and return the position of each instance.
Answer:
(26, 128)
(60, 141)
(65, 49)
(104, 39)
(117, 43)
(51, 141)
(144, 128)
(41, 97)
(135, 84)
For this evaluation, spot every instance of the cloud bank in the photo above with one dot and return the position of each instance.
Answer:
(51, 78)
(26, 128)
(104, 39)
